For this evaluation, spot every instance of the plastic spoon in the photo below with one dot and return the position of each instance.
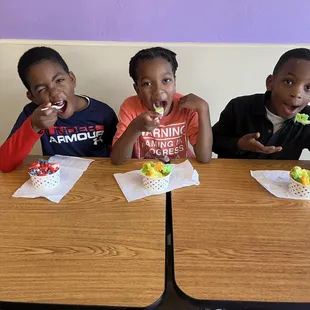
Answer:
(57, 105)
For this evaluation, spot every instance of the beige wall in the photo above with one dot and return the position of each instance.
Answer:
(217, 72)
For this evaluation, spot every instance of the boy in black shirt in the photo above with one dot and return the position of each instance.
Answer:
(263, 125)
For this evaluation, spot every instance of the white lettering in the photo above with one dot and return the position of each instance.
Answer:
(170, 143)
(61, 139)
(166, 132)
(82, 136)
(99, 133)
(96, 136)
(165, 152)
(70, 139)
(53, 140)
(91, 135)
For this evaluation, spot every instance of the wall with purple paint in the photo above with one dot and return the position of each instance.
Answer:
(238, 21)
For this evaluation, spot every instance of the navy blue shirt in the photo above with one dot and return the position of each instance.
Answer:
(86, 133)
(247, 114)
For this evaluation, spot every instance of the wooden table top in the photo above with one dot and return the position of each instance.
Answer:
(233, 240)
(93, 248)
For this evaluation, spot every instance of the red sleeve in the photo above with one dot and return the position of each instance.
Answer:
(192, 129)
(14, 150)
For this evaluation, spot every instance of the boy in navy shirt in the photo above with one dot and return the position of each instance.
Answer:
(82, 127)
(263, 125)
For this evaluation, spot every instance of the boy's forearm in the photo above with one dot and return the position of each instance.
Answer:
(122, 148)
(203, 147)
(14, 150)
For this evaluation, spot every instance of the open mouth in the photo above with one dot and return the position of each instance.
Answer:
(160, 106)
(61, 106)
(291, 108)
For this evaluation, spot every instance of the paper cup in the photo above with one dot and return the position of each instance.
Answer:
(46, 181)
(155, 184)
(299, 190)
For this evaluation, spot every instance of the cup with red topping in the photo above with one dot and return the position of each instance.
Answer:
(44, 174)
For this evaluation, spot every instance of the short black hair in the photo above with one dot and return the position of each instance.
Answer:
(37, 55)
(296, 53)
(149, 54)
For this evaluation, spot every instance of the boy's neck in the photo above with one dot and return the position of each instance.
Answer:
(81, 103)
(268, 103)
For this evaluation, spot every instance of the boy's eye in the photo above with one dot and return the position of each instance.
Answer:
(167, 81)
(147, 84)
(60, 80)
(307, 88)
(288, 82)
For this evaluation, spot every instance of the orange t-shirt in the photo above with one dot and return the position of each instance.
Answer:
(170, 138)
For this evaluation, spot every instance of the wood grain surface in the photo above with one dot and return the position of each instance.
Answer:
(233, 240)
(93, 248)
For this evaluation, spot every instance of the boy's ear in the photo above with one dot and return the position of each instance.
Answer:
(269, 82)
(31, 97)
(73, 78)
(135, 86)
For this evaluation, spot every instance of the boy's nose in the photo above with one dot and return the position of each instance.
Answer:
(157, 91)
(55, 96)
(296, 95)
(296, 92)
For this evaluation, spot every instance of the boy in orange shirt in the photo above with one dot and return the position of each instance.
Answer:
(144, 133)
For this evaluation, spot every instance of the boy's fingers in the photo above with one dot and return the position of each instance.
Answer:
(155, 122)
(182, 102)
(258, 146)
(45, 106)
(255, 135)
(183, 105)
(268, 149)
(49, 112)
(152, 114)
(272, 149)
(183, 99)
(264, 149)
(152, 119)
(55, 119)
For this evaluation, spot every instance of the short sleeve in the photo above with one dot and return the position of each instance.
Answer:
(125, 116)
(192, 127)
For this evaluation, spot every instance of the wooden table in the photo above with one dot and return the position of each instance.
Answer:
(92, 248)
(233, 240)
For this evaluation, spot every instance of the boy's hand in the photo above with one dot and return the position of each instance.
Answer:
(43, 119)
(193, 102)
(147, 121)
(249, 143)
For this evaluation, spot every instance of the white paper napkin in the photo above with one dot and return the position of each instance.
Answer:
(131, 182)
(276, 182)
(71, 170)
